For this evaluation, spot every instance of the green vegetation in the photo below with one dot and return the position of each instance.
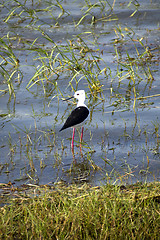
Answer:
(83, 212)
(119, 73)
(74, 56)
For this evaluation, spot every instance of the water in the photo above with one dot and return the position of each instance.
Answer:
(120, 142)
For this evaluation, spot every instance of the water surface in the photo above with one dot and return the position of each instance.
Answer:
(120, 142)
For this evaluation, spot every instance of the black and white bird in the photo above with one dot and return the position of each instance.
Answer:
(78, 115)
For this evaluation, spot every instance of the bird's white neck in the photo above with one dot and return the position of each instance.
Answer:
(81, 104)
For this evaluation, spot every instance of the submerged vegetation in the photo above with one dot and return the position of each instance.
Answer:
(79, 55)
(48, 49)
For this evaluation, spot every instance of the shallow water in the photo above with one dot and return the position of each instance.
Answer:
(120, 143)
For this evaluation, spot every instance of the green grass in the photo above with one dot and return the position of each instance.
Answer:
(82, 212)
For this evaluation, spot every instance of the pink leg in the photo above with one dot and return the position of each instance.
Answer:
(82, 134)
(81, 141)
(73, 139)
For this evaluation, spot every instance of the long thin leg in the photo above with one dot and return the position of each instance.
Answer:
(82, 134)
(81, 140)
(73, 139)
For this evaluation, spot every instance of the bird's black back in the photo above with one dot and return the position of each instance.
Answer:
(77, 116)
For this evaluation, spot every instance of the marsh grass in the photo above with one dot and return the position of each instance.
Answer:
(79, 57)
(74, 58)
(9, 65)
(82, 212)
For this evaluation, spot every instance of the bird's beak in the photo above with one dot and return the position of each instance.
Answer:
(68, 98)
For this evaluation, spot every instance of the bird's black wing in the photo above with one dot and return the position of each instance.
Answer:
(77, 116)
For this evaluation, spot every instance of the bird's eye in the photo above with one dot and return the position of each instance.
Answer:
(77, 94)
